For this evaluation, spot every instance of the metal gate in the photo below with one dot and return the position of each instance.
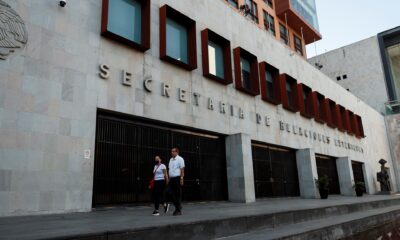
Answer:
(358, 172)
(124, 154)
(327, 166)
(275, 171)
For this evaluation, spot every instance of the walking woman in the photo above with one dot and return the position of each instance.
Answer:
(160, 181)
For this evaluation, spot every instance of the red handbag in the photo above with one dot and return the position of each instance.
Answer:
(151, 183)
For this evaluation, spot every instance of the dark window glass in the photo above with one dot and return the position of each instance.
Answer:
(305, 99)
(125, 19)
(177, 41)
(270, 84)
(269, 23)
(254, 11)
(246, 68)
(234, 3)
(298, 45)
(284, 34)
(289, 94)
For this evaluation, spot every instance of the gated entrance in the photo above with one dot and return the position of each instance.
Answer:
(275, 171)
(358, 172)
(327, 166)
(125, 150)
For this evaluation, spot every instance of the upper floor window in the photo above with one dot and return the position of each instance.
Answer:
(298, 45)
(289, 92)
(177, 38)
(306, 108)
(269, 23)
(254, 11)
(234, 3)
(269, 77)
(216, 53)
(283, 34)
(269, 3)
(177, 41)
(127, 21)
(246, 72)
(245, 66)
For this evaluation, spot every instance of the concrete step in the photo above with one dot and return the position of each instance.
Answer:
(199, 221)
(332, 227)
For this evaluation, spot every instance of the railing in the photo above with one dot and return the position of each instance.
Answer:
(392, 107)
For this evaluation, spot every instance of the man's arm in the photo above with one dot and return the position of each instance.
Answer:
(182, 175)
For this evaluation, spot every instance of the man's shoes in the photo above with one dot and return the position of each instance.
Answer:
(166, 208)
(177, 213)
(156, 213)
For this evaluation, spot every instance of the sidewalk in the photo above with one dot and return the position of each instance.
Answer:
(133, 218)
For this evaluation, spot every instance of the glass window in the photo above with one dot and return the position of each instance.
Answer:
(298, 45)
(394, 63)
(284, 34)
(125, 19)
(215, 59)
(234, 3)
(246, 68)
(270, 84)
(289, 94)
(305, 99)
(254, 11)
(177, 41)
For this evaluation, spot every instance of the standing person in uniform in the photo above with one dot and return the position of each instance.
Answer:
(176, 175)
(160, 181)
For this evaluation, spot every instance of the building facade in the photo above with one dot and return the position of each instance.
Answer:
(370, 69)
(91, 92)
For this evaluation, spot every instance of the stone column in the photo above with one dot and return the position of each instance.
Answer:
(307, 171)
(239, 163)
(346, 177)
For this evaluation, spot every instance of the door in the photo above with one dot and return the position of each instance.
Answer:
(124, 160)
(275, 171)
(327, 166)
(358, 172)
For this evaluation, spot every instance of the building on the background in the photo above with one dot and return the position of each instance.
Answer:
(91, 92)
(370, 69)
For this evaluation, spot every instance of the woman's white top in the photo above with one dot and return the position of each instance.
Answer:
(159, 174)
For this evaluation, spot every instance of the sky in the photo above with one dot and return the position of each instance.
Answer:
(342, 22)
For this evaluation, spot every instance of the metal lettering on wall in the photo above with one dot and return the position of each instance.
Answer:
(233, 111)
(13, 33)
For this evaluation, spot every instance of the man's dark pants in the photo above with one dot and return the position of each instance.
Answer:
(174, 192)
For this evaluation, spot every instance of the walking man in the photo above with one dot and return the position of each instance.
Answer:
(176, 174)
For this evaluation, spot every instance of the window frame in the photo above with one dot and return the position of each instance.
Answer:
(298, 48)
(238, 53)
(254, 11)
(167, 12)
(305, 110)
(236, 1)
(264, 66)
(285, 36)
(334, 118)
(145, 27)
(206, 36)
(283, 96)
(319, 112)
(360, 126)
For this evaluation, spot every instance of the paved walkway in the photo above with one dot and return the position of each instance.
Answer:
(129, 218)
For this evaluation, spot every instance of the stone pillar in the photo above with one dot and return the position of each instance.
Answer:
(346, 177)
(239, 163)
(307, 171)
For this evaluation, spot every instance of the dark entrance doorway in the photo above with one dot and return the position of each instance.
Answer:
(275, 171)
(124, 154)
(358, 172)
(327, 166)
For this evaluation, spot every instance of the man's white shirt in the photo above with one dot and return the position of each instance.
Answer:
(175, 165)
